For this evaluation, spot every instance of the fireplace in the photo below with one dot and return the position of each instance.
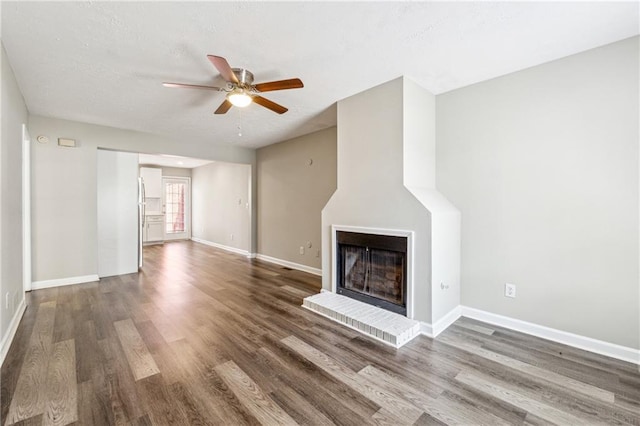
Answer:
(372, 268)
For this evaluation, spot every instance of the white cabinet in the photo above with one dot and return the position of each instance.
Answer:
(152, 179)
(153, 231)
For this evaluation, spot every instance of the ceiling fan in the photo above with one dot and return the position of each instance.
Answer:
(240, 88)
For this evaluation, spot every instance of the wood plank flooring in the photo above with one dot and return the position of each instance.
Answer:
(206, 337)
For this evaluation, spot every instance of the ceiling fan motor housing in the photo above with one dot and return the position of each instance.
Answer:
(244, 76)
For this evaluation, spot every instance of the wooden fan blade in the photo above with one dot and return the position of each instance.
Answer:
(223, 68)
(292, 83)
(192, 86)
(224, 107)
(269, 104)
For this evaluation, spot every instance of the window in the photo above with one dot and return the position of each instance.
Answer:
(174, 207)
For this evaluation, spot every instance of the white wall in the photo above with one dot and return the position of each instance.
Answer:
(419, 168)
(418, 136)
(64, 189)
(117, 176)
(543, 164)
(64, 208)
(220, 204)
(14, 114)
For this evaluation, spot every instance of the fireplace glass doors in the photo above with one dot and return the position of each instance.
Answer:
(372, 268)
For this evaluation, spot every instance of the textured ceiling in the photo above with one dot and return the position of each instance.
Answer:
(103, 62)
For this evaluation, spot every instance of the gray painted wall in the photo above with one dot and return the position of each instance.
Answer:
(292, 193)
(543, 164)
(14, 114)
(220, 204)
(64, 189)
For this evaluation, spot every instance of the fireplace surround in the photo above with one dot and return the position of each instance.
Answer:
(386, 170)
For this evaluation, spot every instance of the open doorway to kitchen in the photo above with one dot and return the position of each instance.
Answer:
(184, 198)
(166, 201)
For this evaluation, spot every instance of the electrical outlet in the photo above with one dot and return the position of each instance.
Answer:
(301, 249)
(231, 237)
(510, 290)
(6, 300)
(318, 253)
(309, 245)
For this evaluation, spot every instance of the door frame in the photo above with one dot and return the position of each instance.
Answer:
(26, 209)
(187, 205)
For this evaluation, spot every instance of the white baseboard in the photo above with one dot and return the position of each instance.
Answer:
(426, 329)
(292, 265)
(222, 247)
(444, 322)
(432, 330)
(39, 285)
(581, 342)
(7, 339)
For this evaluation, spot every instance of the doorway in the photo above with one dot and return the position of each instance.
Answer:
(26, 209)
(176, 201)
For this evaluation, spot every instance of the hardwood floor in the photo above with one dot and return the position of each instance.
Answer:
(206, 337)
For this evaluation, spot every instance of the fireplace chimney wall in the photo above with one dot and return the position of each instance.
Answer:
(386, 180)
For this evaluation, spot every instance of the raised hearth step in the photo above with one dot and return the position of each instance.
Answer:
(389, 327)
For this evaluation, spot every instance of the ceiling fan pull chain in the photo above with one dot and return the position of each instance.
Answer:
(240, 125)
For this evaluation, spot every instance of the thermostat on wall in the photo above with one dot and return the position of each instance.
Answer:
(67, 142)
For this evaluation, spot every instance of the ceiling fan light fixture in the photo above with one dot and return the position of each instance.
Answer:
(239, 97)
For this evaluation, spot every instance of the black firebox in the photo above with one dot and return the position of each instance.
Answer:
(372, 268)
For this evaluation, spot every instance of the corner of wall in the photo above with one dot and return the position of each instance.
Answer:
(7, 339)
(14, 115)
